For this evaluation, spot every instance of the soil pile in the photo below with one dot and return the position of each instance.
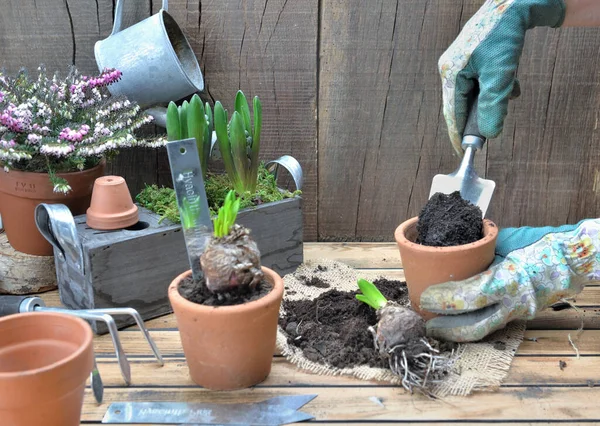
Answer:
(199, 293)
(334, 327)
(449, 220)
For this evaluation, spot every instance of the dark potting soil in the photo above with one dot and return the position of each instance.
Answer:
(314, 282)
(199, 293)
(333, 328)
(449, 220)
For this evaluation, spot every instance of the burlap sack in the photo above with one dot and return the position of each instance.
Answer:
(478, 366)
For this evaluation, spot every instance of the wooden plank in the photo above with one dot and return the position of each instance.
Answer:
(549, 177)
(567, 319)
(357, 255)
(531, 371)
(547, 342)
(355, 404)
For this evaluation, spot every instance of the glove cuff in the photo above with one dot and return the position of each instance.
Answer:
(547, 13)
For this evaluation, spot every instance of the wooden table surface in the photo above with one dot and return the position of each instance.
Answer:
(535, 390)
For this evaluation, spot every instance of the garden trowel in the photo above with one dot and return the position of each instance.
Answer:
(472, 188)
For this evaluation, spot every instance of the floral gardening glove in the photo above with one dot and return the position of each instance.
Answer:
(488, 50)
(534, 268)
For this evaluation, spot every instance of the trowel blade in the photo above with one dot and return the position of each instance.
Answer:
(274, 411)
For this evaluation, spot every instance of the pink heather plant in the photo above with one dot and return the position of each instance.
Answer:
(53, 125)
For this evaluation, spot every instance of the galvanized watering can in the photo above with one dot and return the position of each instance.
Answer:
(156, 60)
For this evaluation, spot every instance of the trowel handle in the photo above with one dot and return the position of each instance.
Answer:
(10, 304)
(472, 137)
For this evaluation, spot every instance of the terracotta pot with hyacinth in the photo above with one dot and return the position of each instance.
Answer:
(55, 137)
(228, 320)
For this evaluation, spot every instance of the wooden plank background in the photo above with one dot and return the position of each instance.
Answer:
(351, 89)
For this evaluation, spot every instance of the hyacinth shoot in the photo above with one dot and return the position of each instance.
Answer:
(239, 142)
(227, 215)
(231, 262)
(54, 125)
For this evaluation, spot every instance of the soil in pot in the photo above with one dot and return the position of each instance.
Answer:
(333, 328)
(199, 293)
(449, 220)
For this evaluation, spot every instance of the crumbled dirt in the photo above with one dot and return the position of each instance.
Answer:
(449, 220)
(333, 328)
(198, 293)
(562, 365)
(314, 282)
(500, 346)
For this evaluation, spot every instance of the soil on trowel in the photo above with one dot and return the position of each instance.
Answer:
(199, 293)
(333, 328)
(449, 220)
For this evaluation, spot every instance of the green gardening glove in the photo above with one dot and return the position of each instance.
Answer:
(487, 51)
(535, 268)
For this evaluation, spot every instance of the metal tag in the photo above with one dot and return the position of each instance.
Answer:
(191, 199)
(274, 411)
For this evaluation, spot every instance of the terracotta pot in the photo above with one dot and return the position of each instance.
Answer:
(111, 206)
(45, 360)
(425, 266)
(21, 192)
(228, 347)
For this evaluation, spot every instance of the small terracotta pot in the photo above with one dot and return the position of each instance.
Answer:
(425, 266)
(111, 206)
(21, 192)
(228, 347)
(45, 360)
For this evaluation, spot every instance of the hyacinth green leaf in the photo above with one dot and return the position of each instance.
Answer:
(366, 300)
(173, 129)
(370, 294)
(220, 123)
(238, 148)
(208, 131)
(257, 109)
(183, 120)
(196, 122)
(241, 106)
(226, 215)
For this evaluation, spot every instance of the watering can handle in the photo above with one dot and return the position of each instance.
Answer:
(119, 15)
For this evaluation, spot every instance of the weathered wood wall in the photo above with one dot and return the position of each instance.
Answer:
(351, 89)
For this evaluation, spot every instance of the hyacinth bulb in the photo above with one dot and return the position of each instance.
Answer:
(398, 326)
(232, 262)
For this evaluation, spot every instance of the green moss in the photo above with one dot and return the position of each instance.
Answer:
(163, 202)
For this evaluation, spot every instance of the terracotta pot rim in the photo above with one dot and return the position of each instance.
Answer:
(102, 163)
(272, 297)
(44, 315)
(490, 232)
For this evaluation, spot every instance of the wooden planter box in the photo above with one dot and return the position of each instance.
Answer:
(133, 268)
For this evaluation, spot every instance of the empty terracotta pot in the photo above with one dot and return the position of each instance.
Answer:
(425, 266)
(21, 192)
(111, 206)
(45, 360)
(228, 347)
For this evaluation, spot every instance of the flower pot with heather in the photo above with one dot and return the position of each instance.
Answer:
(55, 136)
(228, 319)
(448, 241)
(45, 361)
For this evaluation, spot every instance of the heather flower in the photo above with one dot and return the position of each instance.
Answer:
(71, 123)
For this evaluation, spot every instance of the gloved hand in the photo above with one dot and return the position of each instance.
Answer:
(534, 268)
(488, 50)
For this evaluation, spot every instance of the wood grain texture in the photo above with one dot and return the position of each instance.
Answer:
(21, 273)
(530, 371)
